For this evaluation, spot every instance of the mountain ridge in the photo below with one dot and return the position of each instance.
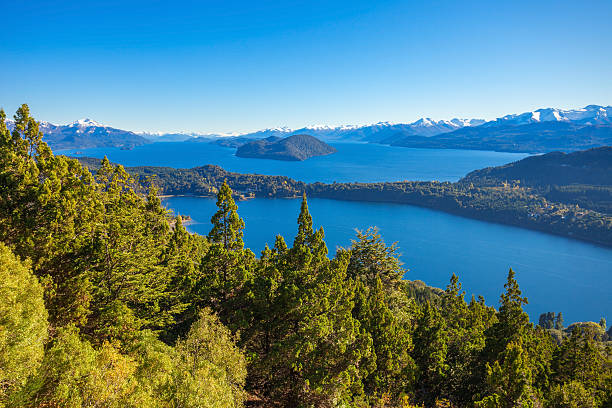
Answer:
(507, 133)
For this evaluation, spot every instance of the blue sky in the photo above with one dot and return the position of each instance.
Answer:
(244, 65)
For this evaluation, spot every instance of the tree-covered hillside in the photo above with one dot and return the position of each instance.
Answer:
(107, 301)
(292, 148)
(583, 178)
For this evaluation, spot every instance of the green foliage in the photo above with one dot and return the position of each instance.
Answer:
(571, 395)
(210, 369)
(74, 374)
(306, 349)
(394, 369)
(508, 380)
(227, 265)
(23, 322)
(371, 260)
(512, 323)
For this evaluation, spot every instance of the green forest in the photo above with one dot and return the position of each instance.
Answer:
(107, 301)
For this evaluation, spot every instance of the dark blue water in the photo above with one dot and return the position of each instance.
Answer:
(555, 273)
(352, 162)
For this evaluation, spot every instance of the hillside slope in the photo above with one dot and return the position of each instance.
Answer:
(539, 137)
(583, 178)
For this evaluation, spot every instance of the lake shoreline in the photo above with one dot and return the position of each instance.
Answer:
(471, 216)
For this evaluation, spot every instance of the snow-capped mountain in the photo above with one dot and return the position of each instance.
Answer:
(86, 133)
(376, 132)
(589, 115)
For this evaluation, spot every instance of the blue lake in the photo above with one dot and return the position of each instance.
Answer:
(556, 274)
(353, 161)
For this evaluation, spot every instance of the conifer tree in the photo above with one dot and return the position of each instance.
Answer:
(559, 321)
(227, 265)
(512, 323)
(317, 344)
(394, 369)
(49, 210)
(131, 282)
(430, 350)
(371, 259)
(509, 380)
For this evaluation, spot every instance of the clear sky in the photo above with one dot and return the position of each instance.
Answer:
(220, 66)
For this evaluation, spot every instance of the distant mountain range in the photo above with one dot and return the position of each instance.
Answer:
(537, 131)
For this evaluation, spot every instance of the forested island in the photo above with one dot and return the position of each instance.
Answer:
(540, 192)
(108, 301)
(292, 148)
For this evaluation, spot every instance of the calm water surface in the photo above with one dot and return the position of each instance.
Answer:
(353, 161)
(555, 273)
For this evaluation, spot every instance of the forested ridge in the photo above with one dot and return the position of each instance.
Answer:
(107, 301)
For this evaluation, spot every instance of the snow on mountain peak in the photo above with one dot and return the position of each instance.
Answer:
(589, 115)
(86, 122)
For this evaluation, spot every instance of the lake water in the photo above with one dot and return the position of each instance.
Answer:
(556, 274)
(353, 161)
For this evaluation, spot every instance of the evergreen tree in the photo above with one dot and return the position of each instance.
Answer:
(74, 374)
(430, 351)
(210, 370)
(464, 335)
(49, 210)
(371, 259)
(579, 359)
(512, 322)
(394, 369)
(508, 380)
(227, 265)
(182, 257)
(547, 320)
(131, 283)
(312, 359)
